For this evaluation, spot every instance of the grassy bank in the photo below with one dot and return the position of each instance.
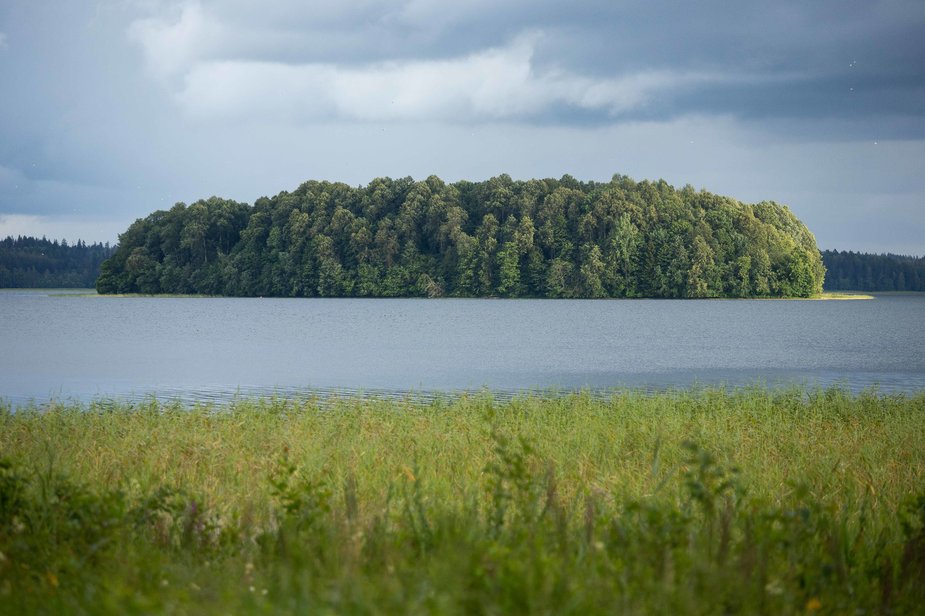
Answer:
(745, 501)
(843, 295)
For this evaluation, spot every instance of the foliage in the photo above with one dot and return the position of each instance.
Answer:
(32, 262)
(856, 271)
(536, 238)
(702, 502)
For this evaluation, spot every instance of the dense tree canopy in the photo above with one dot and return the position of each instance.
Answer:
(536, 238)
(32, 262)
(855, 271)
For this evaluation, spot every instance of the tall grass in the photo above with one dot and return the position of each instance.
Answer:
(707, 501)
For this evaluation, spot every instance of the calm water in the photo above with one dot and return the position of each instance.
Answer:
(79, 347)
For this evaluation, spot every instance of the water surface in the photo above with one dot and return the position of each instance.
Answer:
(70, 346)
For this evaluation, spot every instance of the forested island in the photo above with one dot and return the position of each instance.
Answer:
(857, 271)
(33, 262)
(500, 237)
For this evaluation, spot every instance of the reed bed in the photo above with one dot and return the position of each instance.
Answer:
(705, 501)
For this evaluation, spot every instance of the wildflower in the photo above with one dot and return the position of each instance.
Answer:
(774, 588)
(813, 605)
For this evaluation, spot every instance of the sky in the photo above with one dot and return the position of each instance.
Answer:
(113, 109)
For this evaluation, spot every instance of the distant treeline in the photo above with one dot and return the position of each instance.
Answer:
(33, 262)
(855, 271)
(537, 238)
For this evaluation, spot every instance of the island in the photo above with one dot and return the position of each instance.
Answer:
(498, 238)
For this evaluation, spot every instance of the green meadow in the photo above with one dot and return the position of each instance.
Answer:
(707, 501)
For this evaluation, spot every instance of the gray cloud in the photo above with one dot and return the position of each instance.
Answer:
(827, 59)
(498, 83)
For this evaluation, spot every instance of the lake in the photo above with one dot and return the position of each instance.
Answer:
(68, 346)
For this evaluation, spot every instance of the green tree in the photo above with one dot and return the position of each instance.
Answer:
(698, 283)
(591, 272)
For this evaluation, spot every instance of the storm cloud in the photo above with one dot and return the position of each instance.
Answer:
(116, 108)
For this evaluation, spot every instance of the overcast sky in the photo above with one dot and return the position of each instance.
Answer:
(110, 110)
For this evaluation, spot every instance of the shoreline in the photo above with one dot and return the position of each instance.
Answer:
(824, 296)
